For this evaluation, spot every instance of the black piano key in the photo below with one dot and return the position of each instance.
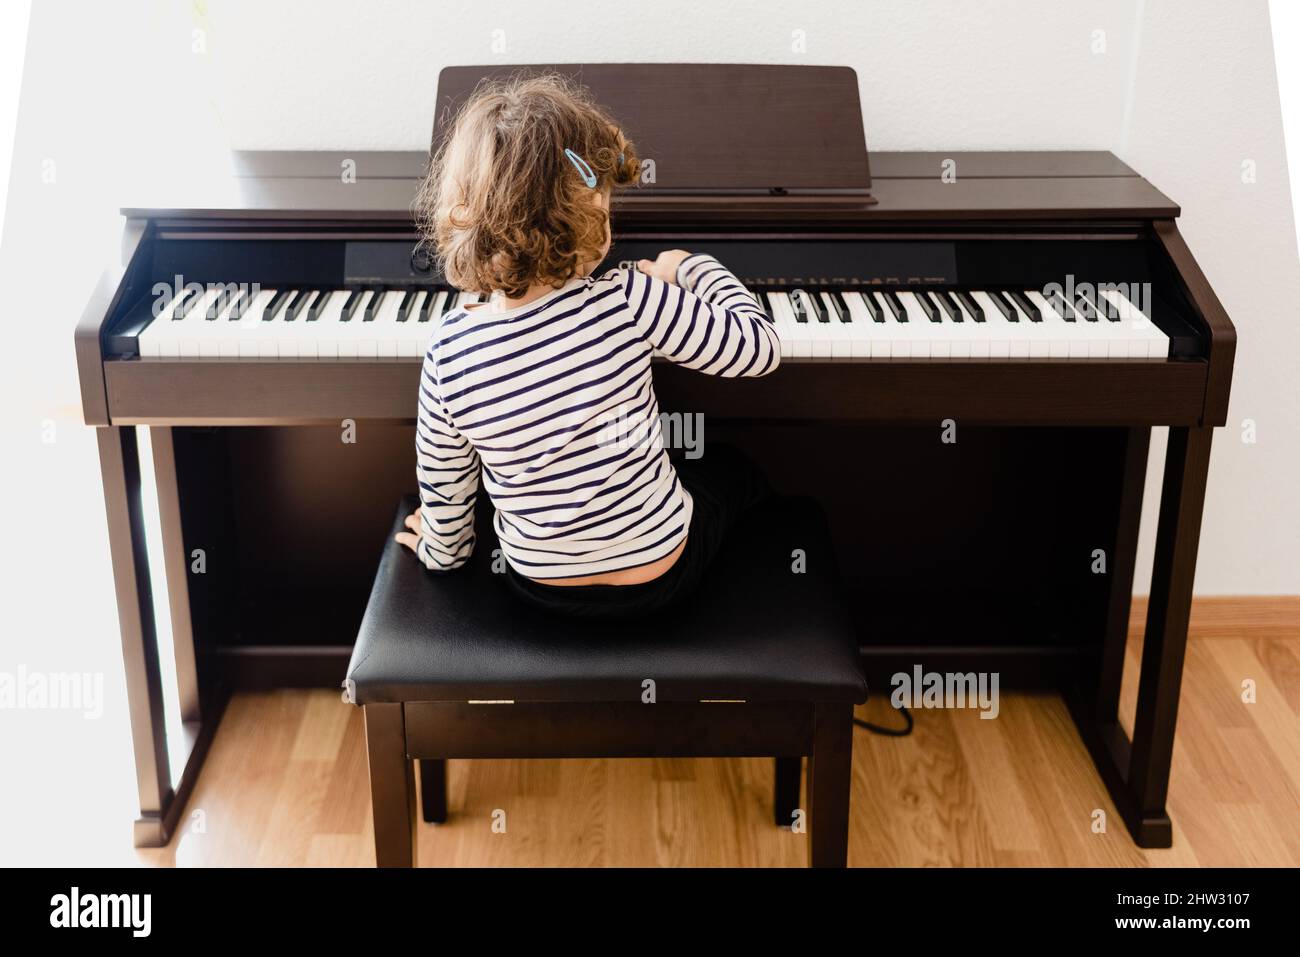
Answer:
(799, 303)
(1063, 309)
(929, 306)
(946, 306)
(1004, 306)
(1084, 307)
(318, 304)
(372, 307)
(274, 305)
(404, 306)
(188, 298)
(873, 307)
(971, 305)
(426, 310)
(1027, 306)
(236, 302)
(895, 305)
(837, 309)
(245, 304)
(817, 307)
(295, 308)
(350, 305)
(1108, 308)
(954, 305)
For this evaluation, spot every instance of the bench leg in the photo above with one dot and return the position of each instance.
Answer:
(392, 785)
(433, 789)
(830, 771)
(786, 793)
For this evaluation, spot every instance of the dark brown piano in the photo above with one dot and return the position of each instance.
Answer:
(250, 468)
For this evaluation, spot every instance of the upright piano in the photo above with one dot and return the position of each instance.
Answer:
(976, 349)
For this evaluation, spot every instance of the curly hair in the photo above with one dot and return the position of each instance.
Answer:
(502, 206)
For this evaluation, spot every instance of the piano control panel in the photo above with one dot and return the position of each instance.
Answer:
(758, 263)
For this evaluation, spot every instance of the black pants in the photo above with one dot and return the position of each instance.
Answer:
(723, 484)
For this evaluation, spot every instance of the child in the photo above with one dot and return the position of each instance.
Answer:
(547, 387)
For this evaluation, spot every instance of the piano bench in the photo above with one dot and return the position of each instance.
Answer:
(762, 661)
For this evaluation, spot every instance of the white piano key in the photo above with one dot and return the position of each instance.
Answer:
(860, 338)
(147, 342)
(794, 333)
(1145, 339)
(439, 306)
(837, 330)
(252, 327)
(328, 325)
(815, 332)
(412, 331)
(351, 331)
(368, 332)
(777, 313)
(291, 333)
(1049, 337)
(974, 338)
(881, 333)
(386, 328)
(182, 340)
(923, 340)
(996, 328)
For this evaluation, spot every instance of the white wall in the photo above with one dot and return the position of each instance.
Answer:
(1184, 90)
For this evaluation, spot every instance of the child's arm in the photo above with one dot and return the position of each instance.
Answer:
(447, 467)
(696, 313)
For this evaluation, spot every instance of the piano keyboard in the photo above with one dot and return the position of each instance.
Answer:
(298, 323)
(961, 324)
(827, 325)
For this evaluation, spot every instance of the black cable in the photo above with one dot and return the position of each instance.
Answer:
(889, 732)
(902, 732)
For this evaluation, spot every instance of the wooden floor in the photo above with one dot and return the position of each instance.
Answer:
(285, 784)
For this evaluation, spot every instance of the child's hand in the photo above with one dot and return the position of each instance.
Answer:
(411, 539)
(664, 267)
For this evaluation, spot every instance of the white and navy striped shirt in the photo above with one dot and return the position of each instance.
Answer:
(553, 402)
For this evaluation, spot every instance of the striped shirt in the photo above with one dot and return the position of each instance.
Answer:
(553, 403)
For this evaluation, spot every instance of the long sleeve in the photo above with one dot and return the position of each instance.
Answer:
(709, 321)
(447, 467)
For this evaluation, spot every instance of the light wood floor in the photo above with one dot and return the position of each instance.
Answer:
(285, 784)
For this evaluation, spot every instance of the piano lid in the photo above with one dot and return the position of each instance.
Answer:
(717, 128)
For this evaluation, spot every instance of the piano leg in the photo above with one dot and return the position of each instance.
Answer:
(1123, 557)
(1182, 498)
(1137, 773)
(160, 802)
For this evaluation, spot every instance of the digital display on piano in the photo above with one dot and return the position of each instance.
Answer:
(758, 263)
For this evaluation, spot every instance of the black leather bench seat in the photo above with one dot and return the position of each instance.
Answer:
(756, 631)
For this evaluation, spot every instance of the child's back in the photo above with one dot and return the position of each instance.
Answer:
(546, 390)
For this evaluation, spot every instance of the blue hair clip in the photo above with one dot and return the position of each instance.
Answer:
(581, 166)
